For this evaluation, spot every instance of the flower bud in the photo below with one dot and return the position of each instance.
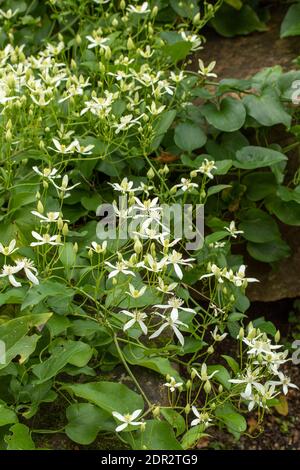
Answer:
(188, 384)
(207, 387)
(75, 247)
(40, 207)
(277, 336)
(78, 39)
(138, 246)
(187, 409)
(130, 44)
(210, 350)
(220, 388)
(143, 427)
(241, 333)
(65, 230)
(150, 174)
(156, 412)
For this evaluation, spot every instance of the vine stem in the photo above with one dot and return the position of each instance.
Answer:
(129, 371)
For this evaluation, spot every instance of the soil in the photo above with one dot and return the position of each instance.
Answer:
(243, 56)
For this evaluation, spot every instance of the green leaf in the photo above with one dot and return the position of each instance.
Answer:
(269, 252)
(136, 356)
(287, 212)
(13, 296)
(259, 227)
(189, 137)
(228, 117)
(178, 51)
(234, 421)
(217, 188)
(259, 185)
(76, 353)
(14, 335)
(176, 420)
(161, 126)
(251, 157)
(7, 416)
(232, 363)
(230, 22)
(158, 435)
(185, 9)
(290, 25)
(67, 255)
(223, 166)
(216, 236)
(265, 326)
(20, 438)
(85, 421)
(109, 396)
(192, 436)
(267, 109)
(222, 376)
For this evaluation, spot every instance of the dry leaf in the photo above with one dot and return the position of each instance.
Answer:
(282, 408)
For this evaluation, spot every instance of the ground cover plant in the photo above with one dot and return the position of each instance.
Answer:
(104, 120)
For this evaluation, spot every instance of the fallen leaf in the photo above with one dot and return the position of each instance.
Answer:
(282, 408)
(252, 424)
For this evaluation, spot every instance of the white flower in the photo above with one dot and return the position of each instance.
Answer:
(9, 13)
(135, 293)
(120, 267)
(126, 122)
(216, 336)
(172, 322)
(64, 185)
(124, 187)
(9, 271)
(207, 71)
(127, 419)
(136, 317)
(172, 384)
(152, 264)
(98, 248)
(8, 250)
(175, 304)
(186, 185)
(260, 345)
(45, 239)
(194, 39)
(214, 270)
(84, 150)
(154, 110)
(49, 173)
(284, 381)
(203, 373)
(251, 379)
(240, 279)
(139, 9)
(175, 259)
(29, 269)
(201, 418)
(62, 148)
(97, 41)
(206, 168)
(51, 216)
(165, 288)
(232, 229)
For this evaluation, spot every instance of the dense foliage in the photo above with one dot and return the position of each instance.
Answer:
(99, 100)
